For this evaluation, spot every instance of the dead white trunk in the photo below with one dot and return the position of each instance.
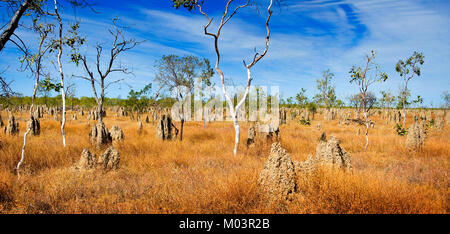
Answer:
(257, 57)
(28, 128)
(63, 93)
(23, 151)
(36, 84)
(234, 110)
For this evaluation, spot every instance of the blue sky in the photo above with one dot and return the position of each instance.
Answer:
(308, 37)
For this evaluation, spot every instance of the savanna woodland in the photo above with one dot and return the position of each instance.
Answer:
(224, 106)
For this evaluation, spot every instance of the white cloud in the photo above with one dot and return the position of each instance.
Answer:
(307, 38)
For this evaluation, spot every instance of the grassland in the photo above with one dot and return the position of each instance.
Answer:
(201, 174)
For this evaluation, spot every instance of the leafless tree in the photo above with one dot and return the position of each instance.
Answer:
(227, 15)
(120, 44)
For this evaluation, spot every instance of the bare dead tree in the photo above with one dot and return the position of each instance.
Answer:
(120, 44)
(227, 15)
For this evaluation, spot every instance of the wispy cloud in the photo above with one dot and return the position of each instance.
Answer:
(307, 38)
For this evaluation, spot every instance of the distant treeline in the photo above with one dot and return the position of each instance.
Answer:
(142, 103)
(87, 102)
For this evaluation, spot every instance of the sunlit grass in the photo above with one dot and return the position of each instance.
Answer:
(201, 174)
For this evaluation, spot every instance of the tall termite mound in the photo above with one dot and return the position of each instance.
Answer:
(99, 134)
(107, 161)
(416, 136)
(165, 129)
(12, 127)
(34, 125)
(116, 133)
(277, 179)
(328, 153)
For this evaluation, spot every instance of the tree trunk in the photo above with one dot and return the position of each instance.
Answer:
(404, 115)
(236, 133)
(28, 128)
(182, 117)
(63, 93)
(366, 119)
(13, 24)
(181, 129)
(100, 110)
(367, 136)
(404, 103)
(233, 110)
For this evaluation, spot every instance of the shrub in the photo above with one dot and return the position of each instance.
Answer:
(303, 121)
(400, 130)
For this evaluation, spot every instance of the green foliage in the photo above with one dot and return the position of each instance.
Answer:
(138, 100)
(188, 4)
(400, 130)
(87, 102)
(387, 99)
(312, 107)
(430, 123)
(47, 85)
(365, 77)
(446, 98)
(303, 121)
(359, 74)
(289, 100)
(301, 98)
(407, 69)
(327, 93)
(74, 41)
(175, 72)
(411, 66)
(339, 103)
(418, 101)
(402, 98)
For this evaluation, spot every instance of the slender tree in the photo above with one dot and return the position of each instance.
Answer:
(226, 16)
(387, 99)
(446, 98)
(178, 75)
(36, 67)
(120, 44)
(327, 93)
(302, 99)
(407, 70)
(63, 93)
(364, 77)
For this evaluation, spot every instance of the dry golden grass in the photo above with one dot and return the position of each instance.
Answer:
(201, 175)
